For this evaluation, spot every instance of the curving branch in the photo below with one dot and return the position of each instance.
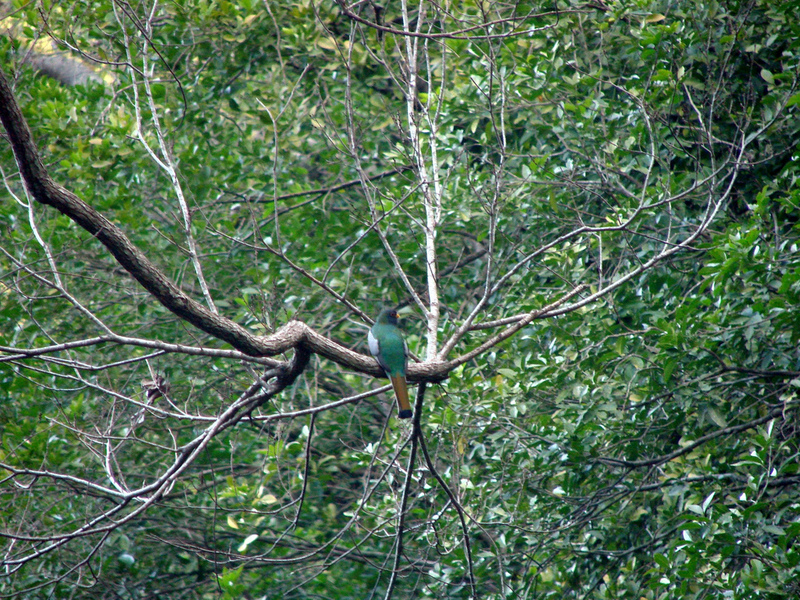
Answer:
(294, 335)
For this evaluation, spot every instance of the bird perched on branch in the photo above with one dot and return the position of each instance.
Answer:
(387, 345)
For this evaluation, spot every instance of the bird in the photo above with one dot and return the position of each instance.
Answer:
(387, 345)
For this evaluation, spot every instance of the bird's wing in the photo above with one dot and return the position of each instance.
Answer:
(375, 349)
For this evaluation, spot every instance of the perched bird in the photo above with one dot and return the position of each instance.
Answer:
(387, 345)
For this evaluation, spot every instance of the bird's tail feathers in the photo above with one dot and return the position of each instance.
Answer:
(401, 391)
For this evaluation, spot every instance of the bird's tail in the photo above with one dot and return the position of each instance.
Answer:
(401, 391)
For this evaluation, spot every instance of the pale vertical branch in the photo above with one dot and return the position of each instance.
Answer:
(164, 157)
(28, 206)
(368, 194)
(57, 283)
(433, 195)
(429, 182)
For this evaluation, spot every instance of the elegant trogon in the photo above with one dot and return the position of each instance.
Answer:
(387, 345)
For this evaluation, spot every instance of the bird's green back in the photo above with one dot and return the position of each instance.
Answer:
(392, 346)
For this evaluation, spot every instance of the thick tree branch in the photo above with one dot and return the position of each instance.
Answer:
(293, 335)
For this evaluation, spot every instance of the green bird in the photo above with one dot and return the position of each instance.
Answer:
(387, 345)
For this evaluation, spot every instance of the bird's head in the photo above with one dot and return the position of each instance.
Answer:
(388, 316)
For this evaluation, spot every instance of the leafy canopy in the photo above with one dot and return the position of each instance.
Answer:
(589, 211)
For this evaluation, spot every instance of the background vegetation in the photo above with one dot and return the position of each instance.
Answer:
(589, 211)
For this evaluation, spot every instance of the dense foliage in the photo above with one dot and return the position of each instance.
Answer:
(590, 209)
